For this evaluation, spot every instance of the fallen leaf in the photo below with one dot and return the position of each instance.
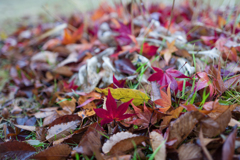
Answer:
(217, 122)
(41, 133)
(165, 102)
(113, 112)
(125, 95)
(229, 145)
(233, 122)
(67, 105)
(203, 82)
(61, 130)
(167, 53)
(63, 70)
(173, 115)
(5, 113)
(183, 126)
(57, 152)
(167, 77)
(145, 117)
(84, 146)
(157, 139)
(45, 56)
(189, 151)
(125, 66)
(15, 149)
(122, 142)
(87, 108)
(28, 128)
(203, 143)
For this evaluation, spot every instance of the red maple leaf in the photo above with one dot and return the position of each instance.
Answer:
(113, 112)
(70, 86)
(118, 84)
(145, 117)
(167, 77)
(204, 82)
(148, 50)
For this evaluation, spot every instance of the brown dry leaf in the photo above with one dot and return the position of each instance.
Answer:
(16, 110)
(167, 53)
(61, 130)
(41, 133)
(189, 151)
(48, 120)
(181, 127)
(28, 128)
(157, 139)
(203, 144)
(67, 105)
(43, 114)
(95, 144)
(84, 147)
(57, 152)
(121, 142)
(87, 109)
(229, 145)
(16, 150)
(174, 114)
(217, 79)
(5, 113)
(218, 121)
(65, 119)
(64, 70)
(233, 122)
(123, 157)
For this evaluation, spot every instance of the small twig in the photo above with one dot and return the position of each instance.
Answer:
(59, 19)
(171, 16)
(132, 25)
(235, 22)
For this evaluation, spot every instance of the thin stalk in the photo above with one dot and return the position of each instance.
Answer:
(171, 16)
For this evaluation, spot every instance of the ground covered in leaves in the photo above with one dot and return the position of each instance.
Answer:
(124, 82)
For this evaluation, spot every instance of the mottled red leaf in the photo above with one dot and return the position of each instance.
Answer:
(145, 117)
(203, 82)
(167, 77)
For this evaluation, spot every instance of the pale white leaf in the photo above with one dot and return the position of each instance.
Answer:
(43, 114)
(33, 142)
(115, 139)
(61, 130)
(28, 128)
(233, 122)
(157, 139)
(45, 56)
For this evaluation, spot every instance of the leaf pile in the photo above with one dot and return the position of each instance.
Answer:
(129, 81)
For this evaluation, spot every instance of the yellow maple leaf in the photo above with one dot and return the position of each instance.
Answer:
(126, 94)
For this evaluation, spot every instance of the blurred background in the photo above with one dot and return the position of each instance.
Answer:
(13, 12)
